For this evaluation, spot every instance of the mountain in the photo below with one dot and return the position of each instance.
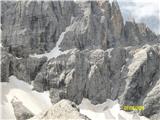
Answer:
(80, 50)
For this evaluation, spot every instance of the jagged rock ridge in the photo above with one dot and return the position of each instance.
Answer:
(34, 27)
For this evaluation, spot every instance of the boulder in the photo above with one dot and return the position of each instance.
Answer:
(20, 111)
(63, 110)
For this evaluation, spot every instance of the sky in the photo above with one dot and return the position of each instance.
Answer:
(146, 11)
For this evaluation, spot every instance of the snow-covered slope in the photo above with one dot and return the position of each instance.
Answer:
(34, 101)
(37, 102)
(109, 110)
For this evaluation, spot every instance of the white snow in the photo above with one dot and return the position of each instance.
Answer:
(109, 110)
(56, 50)
(36, 102)
(18, 58)
(109, 52)
(1, 44)
(110, 1)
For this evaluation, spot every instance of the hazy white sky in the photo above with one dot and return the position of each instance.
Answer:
(147, 11)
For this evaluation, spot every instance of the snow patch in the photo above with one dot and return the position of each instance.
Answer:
(109, 52)
(110, 1)
(34, 101)
(109, 110)
(37, 102)
(1, 44)
(18, 58)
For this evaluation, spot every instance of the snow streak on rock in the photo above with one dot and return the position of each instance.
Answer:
(55, 51)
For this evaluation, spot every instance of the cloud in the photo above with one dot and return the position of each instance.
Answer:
(146, 11)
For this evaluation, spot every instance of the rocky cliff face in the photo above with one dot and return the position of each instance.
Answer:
(30, 26)
(104, 58)
(34, 27)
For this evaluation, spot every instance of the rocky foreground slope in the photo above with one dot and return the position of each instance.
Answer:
(63, 110)
(101, 56)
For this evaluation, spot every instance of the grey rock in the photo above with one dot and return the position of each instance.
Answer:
(142, 74)
(151, 102)
(79, 74)
(23, 68)
(127, 74)
(138, 33)
(76, 75)
(117, 25)
(27, 68)
(37, 26)
(99, 26)
(155, 116)
(40, 82)
(98, 84)
(33, 26)
(117, 70)
(63, 110)
(20, 111)
(107, 59)
(5, 65)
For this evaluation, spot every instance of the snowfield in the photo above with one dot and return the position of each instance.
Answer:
(109, 110)
(37, 102)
